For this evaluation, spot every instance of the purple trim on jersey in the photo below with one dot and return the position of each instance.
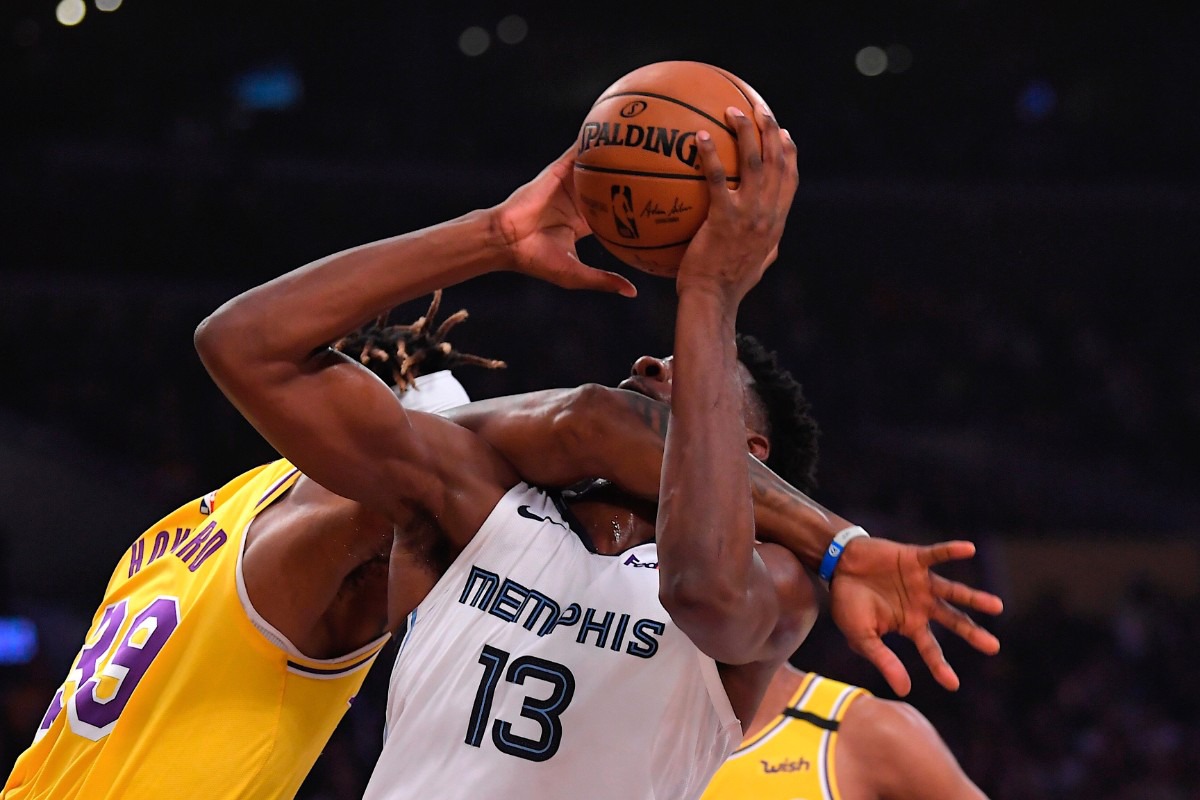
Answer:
(275, 486)
(330, 670)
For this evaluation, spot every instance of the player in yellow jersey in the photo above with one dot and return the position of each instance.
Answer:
(222, 673)
(818, 739)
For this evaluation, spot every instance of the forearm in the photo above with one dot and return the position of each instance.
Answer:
(622, 435)
(786, 516)
(705, 520)
(287, 318)
(560, 436)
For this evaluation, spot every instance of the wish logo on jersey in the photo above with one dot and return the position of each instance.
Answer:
(512, 602)
(802, 765)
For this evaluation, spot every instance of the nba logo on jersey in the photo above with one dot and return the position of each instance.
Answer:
(208, 503)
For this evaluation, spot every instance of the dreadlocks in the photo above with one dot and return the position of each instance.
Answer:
(398, 354)
(792, 430)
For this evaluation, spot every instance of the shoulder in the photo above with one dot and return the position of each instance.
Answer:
(884, 723)
(902, 752)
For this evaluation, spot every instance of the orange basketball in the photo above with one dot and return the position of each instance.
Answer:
(638, 180)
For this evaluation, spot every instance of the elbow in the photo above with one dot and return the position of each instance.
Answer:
(701, 597)
(220, 340)
(211, 340)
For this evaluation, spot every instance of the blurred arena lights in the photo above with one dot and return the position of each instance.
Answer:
(272, 88)
(474, 41)
(1037, 101)
(871, 61)
(70, 12)
(512, 29)
(18, 640)
(108, 5)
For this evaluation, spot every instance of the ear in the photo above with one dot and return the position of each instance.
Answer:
(758, 445)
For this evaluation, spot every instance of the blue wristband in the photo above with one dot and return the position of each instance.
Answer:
(834, 553)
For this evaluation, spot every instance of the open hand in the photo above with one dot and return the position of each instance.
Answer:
(540, 225)
(881, 586)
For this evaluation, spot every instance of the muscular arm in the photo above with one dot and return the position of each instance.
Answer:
(267, 350)
(890, 751)
(557, 437)
(715, 585)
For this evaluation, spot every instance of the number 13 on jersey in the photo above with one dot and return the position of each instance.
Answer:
(546, 712)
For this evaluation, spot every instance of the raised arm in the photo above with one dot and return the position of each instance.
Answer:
(713, 581)
(268, 350)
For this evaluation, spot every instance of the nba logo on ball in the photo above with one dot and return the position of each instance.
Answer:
(638, 180)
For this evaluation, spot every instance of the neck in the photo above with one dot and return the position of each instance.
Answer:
(614, 520)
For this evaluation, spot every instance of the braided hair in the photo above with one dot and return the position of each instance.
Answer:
(399, 354)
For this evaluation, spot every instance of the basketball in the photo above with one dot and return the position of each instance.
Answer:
(638, 178)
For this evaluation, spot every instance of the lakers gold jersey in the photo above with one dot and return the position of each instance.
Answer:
(793, 756)
(181, 690)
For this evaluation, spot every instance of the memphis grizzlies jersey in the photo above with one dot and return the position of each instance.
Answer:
(181, 690)
(793, 756)
(537, 668)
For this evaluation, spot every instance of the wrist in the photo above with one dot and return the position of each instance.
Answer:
(501, 233)
(837, 547)
(710, 294)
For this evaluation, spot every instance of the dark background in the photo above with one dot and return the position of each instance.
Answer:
(986, 288)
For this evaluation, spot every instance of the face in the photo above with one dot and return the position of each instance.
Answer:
(651, 377)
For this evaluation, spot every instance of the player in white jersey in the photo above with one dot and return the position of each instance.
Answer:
(534, 655)
(723, 599)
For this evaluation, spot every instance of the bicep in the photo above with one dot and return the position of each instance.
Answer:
(346, 429)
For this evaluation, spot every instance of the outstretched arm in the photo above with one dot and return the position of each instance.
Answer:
(558, 437)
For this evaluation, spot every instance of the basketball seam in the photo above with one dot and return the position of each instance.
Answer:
(749, 102)
(677, 102)
(640, 174)
(621, 243)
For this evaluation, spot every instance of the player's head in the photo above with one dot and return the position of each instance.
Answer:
(415, 360)
(780, 429)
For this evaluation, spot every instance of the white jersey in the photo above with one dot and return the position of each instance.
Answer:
(537, 668)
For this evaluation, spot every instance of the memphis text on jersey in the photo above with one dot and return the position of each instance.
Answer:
(510, 601)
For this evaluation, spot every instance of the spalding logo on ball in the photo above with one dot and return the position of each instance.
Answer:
(637, 169)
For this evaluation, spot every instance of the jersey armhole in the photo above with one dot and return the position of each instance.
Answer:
(718, 695)
(297, 661)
